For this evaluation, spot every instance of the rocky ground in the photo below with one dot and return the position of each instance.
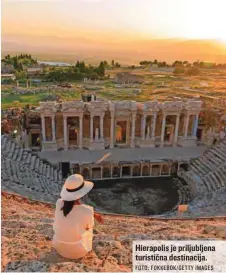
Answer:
(27, 233)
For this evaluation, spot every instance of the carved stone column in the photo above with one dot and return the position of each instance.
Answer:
(91, 128)
(102, 127)
(163, 130)
(154, 117)
(112, 131)
(65, 134)
(53, 129)
(43, 129)
(133, 130)
(195, 127)
(176, 130)
(143, 126)
(186, 126)
(80, 131)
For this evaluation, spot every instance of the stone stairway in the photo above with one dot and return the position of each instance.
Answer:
(26, 174)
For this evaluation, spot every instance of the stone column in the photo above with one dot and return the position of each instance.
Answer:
(65, 134)
(143, 126)
(195, 127)
(91, 128)
(112, 131)
(53, 129)
(120, 171)
(133, 130)
(80, 130)
(160, 171)
(186, 126)
(43, 129)
(176, 130)
(102, 127)
(163, 130)
(154, 117)
(101, 172)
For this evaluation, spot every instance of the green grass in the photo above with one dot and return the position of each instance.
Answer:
(16, 100)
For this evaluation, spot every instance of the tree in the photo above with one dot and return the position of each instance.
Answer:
(21, 75)
(193, 71)
(77, 64)
(105, 64)
(112, 63)
(101, 70)
(179, 70)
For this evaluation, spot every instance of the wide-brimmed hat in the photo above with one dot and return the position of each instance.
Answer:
(75, 187)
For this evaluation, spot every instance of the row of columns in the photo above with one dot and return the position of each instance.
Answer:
(143, 126)
(112, 128)
(194, 130)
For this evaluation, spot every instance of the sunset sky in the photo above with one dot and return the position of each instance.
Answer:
(114, 20)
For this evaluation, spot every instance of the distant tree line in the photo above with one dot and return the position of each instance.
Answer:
(76, 72)
(197, 64)
(19, 62)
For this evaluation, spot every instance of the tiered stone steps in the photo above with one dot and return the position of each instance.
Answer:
(210, 168)
(209, 174)
(26, 174)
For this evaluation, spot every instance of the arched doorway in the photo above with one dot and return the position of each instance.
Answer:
(165, 170)
(145, 171)
(106, 172)
(85, 173)
(116, 172)
(155, 170)
(136, 171)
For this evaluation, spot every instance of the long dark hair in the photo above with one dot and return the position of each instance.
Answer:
(67, 207)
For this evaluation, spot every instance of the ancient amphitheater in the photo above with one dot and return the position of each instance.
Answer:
(31, 185)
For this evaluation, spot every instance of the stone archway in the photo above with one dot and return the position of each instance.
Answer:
(155, 170)
(126, 171)
(136, 171)
(116, 172)
(96, 173)
(106, 172)
(86, 173)
(165, 169)
(145, 171)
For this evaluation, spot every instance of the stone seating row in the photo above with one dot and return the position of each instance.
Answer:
(208, 173)
(13, 151)
(23, 172)
(210, 168)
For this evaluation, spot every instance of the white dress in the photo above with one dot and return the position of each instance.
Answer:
(71, 238)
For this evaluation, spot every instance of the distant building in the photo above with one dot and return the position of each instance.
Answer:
(34, 71)
(6, 68)
(125, 77)
(8, 76)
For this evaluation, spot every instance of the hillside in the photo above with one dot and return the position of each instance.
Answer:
(27, 234)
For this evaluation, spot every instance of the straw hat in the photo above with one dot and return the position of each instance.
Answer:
(75, 187)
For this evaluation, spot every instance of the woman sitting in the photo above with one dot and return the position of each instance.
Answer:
(73, 224)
